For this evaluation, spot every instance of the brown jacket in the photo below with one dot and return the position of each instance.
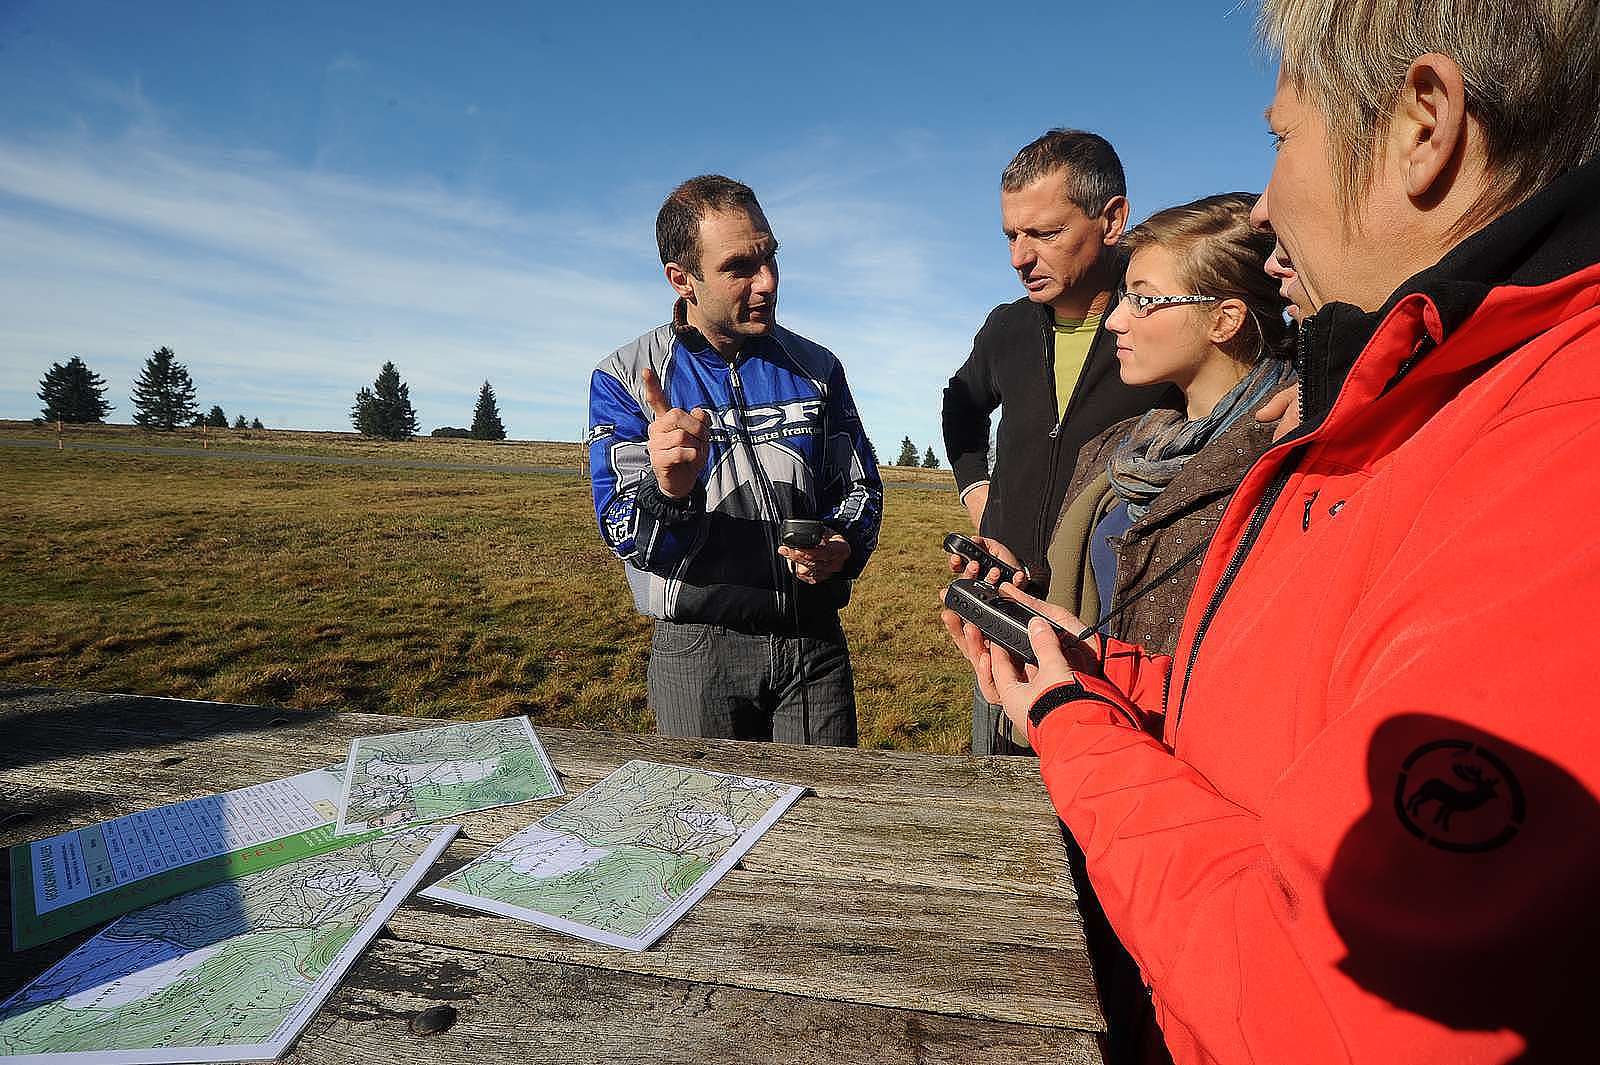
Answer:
(1181, 517)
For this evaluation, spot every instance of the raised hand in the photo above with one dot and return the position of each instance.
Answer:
(677, 440)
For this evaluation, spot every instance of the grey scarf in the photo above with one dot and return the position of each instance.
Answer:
(1157, 448)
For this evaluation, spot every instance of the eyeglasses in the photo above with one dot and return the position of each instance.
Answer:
(1141, 305)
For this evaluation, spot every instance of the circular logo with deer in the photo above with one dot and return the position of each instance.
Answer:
(1458, 796)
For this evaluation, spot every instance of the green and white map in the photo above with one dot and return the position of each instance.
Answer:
(409, 778)
(621, 863)
(231, 972)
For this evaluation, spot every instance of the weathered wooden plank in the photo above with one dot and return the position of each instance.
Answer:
(935, 950)
(532, 1011)
(967, 844)
(50, 725)
(962, 830)
(957, 953)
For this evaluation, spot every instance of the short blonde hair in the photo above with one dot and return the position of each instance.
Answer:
(1531, 68)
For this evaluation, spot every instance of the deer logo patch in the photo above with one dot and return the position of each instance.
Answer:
(1458, 796)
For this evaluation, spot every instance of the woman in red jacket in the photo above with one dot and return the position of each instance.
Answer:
(1358, 824)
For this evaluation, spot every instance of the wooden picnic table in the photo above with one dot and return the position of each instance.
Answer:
(912, 908)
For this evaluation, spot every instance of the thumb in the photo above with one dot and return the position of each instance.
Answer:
(1045, 639)
(654, 397)
(1277, 406)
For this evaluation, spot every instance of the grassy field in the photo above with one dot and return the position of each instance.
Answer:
(433, 593)
(552, 453)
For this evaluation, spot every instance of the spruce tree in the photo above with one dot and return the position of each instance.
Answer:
(163, 396)
(486, 424)
(217, 419)
(930, 461)
(384, 410)
(908, 453)
(73, 393)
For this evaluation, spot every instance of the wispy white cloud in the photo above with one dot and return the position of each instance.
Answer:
(284, 287)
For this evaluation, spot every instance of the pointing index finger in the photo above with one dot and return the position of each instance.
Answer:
(654, 397)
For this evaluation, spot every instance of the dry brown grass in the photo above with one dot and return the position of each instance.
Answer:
(552, 453)
(433, 593)
(296, 442)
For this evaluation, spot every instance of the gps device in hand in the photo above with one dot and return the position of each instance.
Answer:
(957, 544)
(1002, 621)
(802, 532)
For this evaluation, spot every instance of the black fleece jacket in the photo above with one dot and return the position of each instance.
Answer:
(1012, 366)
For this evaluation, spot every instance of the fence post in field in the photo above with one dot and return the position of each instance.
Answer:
(58, 434)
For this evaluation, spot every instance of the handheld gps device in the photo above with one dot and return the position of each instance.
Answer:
(956, 544)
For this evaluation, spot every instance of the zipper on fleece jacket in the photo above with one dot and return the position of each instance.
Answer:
(1041, 528)
(769, 495)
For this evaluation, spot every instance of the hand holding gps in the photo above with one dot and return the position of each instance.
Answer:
(1002, 621)
(956, 544)
(802, 532)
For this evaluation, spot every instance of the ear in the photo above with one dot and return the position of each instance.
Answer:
(1428, 129)
(1116, 219)
(1227, 318)
(678, 278)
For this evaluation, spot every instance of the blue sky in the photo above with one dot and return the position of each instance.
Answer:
(289, 194)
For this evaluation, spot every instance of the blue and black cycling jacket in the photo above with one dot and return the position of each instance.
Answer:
(786, 442)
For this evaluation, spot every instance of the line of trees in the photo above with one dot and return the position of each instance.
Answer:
(164, 398)
(163, 395)
(908, 456)
(384, 411)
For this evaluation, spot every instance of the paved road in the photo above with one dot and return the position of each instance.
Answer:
(332, 460)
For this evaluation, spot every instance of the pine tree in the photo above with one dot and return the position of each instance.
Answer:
(930, 461)
(908, 453)
(163, 396)
(384, 410)
(73, 393)
(255, 423)
(486, 423)
(240, 423)
(217, 419)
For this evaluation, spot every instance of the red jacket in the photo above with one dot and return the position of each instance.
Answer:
(1368, 831)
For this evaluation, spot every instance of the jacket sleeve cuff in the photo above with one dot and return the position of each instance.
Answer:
(1081, 692)
(666, 510)
(970, 487)
(970, 469)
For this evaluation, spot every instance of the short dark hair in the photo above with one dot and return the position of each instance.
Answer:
(678, 222)
(1094, 173)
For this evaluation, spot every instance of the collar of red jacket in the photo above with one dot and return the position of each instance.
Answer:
(1505, 284)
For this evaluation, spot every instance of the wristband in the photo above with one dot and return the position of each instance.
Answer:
(668, 511)
(1062, 694)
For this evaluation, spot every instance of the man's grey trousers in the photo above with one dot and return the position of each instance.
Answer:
(714, 682)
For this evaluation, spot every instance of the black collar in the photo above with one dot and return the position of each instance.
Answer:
(1551, 236)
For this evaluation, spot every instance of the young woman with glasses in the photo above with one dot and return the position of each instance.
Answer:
(1199, 312)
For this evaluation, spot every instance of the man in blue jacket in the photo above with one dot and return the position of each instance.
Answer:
(704, 436)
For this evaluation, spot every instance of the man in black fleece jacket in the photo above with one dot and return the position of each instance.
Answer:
(1045, 360)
